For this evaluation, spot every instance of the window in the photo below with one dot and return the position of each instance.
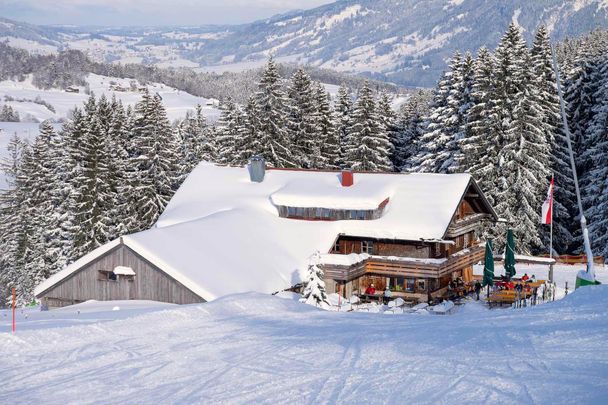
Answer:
(337, 246)
(367, 246)
(421, 285)
(409, 284)
(107, 275)
(397, 283)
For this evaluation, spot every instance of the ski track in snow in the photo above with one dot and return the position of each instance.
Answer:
(255, 348)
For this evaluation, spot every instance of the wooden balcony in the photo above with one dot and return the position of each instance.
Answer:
(466, 224)
(406, 267)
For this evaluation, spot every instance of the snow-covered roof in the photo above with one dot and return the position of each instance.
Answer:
(221, 233)
(123, 271)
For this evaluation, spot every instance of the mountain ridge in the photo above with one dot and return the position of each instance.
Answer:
(403, 41)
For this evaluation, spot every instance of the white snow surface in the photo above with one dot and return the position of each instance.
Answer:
(221, 234)
(177, 103)
(254, 348)
(124, 271)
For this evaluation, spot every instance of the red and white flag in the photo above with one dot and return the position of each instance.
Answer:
(547, 213)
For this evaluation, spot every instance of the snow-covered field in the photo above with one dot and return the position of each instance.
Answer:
(176, 102)
(257, 348)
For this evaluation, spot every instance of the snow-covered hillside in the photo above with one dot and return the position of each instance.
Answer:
(263, 349)
(407, 41)
(25, 98)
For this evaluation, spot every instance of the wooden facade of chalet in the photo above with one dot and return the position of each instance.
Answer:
(412, 269)
(97, 280)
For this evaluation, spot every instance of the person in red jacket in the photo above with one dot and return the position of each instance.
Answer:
(371, 290)
(525, 277)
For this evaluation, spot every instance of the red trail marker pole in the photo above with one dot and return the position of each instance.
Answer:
(14, 306)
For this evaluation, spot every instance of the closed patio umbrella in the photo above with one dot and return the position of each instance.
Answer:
(488, 266)
(510, 255)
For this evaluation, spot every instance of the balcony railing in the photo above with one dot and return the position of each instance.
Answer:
(406, 267)
(466, 224)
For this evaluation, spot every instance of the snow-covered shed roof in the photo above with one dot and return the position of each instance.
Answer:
(221, 232)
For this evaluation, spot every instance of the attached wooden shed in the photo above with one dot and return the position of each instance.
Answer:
(113, 272)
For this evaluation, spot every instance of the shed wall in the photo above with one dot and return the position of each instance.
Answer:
(149, 283)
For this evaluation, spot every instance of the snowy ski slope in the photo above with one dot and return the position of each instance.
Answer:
(254, 348)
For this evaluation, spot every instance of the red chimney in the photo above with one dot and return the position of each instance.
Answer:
(347, 178)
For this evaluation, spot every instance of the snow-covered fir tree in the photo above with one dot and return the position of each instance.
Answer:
(302, 121)
(594, 184)
(229, 132)
(436, 133)
(410, 126)
(91, 186)
(14, 227)
(564, 223)
(483, 137)
(314, 290)
(342, 120)
(388, 118)
(524, 158)
(155, 173)
(273, 136)
(329, 137)
(368, 147)
(250, 132)
(441, 145)
(8, 114)
(195, 141)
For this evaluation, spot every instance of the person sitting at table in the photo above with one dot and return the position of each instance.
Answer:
(525, 277)
(371, 290)
(533, 278)
(387, 295)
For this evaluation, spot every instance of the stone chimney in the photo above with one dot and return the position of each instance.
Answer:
(347, 177)
(257, 169)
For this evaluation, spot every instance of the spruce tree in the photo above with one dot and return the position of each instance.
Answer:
(524, 158)
(302, 120)
(314, 290)
(432, 145)
(229, 133)
(368, 147)
(595, 182)
(564, 198)
(13, 229)
(388, 118)
(342, 119)
(195, 141)
(483, 137)
(154, 147)
(250, 132)
(91, 187)
(275, 144)
(328, 136)
(410, 124)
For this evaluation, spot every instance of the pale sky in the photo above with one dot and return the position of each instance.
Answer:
(148, 12)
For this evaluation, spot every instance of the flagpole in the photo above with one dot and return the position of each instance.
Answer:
(590, 273)
(551, 230)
